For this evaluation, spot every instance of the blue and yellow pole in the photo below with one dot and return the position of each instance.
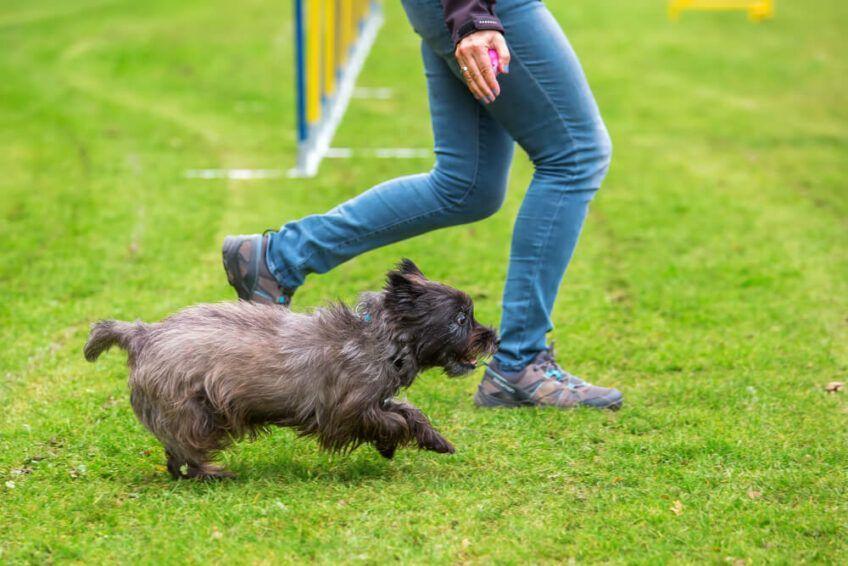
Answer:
(344, 31)
(329, 48)
(328, 56)
(313, 61)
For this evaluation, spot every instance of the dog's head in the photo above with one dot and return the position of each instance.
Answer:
(437, 320)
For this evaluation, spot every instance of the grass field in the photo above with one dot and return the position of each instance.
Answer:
(711, 286)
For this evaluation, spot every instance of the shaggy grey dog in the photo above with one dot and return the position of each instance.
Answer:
(213, 373)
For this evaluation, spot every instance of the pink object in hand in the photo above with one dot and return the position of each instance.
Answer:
(496, 61)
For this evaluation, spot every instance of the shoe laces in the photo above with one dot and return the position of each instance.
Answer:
(553, 370)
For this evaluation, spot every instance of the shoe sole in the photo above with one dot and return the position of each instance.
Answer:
(614, 406)
(485, 401)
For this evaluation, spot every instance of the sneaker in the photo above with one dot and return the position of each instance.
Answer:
(247, 272)
(542, 383)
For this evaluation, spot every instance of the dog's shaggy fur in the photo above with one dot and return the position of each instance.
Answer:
(213, 373)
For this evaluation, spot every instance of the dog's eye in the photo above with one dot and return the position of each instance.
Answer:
(461, 318)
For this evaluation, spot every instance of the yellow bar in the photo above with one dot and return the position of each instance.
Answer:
(757, 9)
(351, 30)
(344, 30)
(313, 61)
(363, 8)
(329, 47)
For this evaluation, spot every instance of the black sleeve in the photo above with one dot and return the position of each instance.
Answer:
(466, 16)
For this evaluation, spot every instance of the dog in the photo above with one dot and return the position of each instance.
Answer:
(213, 373)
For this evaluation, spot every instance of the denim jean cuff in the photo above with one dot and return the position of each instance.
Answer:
(284, 277)
(511, 366)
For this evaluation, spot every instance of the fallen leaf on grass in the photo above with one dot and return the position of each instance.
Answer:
(10, 484)
(78, 471)
(754, 494)
(618, 295)
(834, 387)
(109, 403)
(216, 534)
(677, 508)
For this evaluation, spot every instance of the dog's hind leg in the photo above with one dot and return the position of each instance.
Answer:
(189, 434)
(174, 465)
(199, 438)
(192, 464)
(180, 468)
(207, 471)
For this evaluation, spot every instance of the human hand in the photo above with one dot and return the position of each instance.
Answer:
(472, 54)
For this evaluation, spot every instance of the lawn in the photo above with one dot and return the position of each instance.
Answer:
(710, 286)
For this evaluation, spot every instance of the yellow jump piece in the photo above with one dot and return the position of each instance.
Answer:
(758, 10)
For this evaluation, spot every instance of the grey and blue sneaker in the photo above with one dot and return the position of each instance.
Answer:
(542, 383)
(247, 272)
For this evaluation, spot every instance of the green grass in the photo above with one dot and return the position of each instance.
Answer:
(711, 286)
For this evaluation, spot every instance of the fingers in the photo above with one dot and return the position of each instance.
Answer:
(474, 79)
(499, 45)
(487, 73)
(473, 66)
(472, 54)
(467, 74)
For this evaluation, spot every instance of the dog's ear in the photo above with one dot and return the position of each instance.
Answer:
(400, 284)
(407, 267)
(404, 285)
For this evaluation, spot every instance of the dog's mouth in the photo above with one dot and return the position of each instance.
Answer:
(481, 345)
(470, 361)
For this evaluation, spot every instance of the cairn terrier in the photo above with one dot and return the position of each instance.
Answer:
(216, 372)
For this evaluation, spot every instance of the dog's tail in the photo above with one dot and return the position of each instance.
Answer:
(107, 333)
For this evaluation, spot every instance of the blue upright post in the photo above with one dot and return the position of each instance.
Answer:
(300, 70)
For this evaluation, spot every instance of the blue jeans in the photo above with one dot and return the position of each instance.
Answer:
(547, 107)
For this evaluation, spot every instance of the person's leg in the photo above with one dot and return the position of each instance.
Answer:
(547, 106)
(468, 182)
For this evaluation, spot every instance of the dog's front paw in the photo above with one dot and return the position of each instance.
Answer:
(438, 443)
(386, 450)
